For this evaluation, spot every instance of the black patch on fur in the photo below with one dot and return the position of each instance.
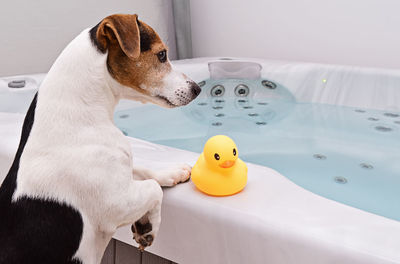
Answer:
(142, 229)
(35, 230)
(95, 41)
(38, 231)
(146, 39)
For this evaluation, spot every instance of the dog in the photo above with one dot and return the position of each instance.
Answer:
(73, 181)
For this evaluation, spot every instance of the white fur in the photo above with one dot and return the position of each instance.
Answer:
(168, 177)
(175, 84)
(76, 155)
(175, 89)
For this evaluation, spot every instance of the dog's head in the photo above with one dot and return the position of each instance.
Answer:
(138, 60)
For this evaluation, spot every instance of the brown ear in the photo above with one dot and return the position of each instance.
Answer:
(122, 28)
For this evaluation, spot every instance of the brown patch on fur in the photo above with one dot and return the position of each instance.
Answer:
(124, 30)
(120, 35)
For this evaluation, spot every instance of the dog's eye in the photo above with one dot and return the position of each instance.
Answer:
(234, 152)
(216, 156)
(162, 56)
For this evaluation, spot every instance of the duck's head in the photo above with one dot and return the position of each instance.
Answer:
(220, 152)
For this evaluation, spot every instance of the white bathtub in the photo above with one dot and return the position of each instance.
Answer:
(13, 105)
(273, 220)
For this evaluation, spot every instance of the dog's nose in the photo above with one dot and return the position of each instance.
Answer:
(195, 88)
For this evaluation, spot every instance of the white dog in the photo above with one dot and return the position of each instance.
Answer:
(72, 183)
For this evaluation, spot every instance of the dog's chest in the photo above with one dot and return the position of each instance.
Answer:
(64, 168)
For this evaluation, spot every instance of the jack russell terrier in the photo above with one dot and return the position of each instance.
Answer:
(72, 182)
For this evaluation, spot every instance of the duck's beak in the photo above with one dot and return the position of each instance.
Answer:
(227, 164)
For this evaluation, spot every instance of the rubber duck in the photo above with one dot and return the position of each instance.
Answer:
(218, 171)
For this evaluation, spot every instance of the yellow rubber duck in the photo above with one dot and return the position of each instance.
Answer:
(219, 171)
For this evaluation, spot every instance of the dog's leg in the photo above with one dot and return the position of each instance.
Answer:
(167, 177)
(142, 207)
(143, 228)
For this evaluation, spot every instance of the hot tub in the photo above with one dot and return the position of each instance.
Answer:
(322, 146)
(345, 153)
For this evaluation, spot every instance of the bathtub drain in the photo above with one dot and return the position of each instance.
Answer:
(319, 156)
(268, 84)
(17, 84)
(217, 124)
(383, 129)
(391, 115)
(366, 166)
(217, 107)
(202, 83)
(340, 179)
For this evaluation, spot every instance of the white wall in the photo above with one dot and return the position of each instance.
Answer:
(352, 32)
(34, 32)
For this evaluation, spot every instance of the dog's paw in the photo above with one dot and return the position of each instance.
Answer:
(142, 234)
(146, 228)
(171, 177)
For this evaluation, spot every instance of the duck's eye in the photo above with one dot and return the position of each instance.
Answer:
(234, 152)
(216, 156)
(162, 56)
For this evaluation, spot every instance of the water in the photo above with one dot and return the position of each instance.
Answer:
(349, 155)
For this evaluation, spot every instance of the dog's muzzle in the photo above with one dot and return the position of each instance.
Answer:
(184, 97)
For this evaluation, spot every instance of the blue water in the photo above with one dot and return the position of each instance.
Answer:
(349, 155)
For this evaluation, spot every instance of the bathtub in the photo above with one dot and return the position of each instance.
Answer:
(275, 219)
(14, 103)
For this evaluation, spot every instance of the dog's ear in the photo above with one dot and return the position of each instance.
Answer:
(123, 29)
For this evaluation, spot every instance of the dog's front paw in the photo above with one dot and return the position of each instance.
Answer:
(175, 175)
(146, 228)
(142, 233)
